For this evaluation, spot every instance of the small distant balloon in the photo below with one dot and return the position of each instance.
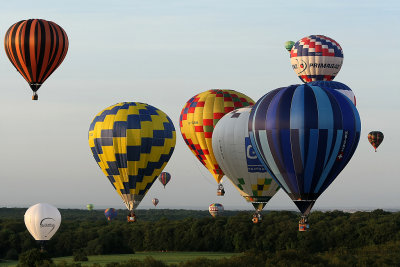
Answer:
(216, 209)
(155, 201)
(375, 138)
(89, 206)
(110, 214)
(289, 45)
(164, 178)
(316, 58)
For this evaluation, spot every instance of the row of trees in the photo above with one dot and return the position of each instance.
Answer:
(331, 232)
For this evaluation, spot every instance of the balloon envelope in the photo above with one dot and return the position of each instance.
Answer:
(216, 209)
(375, 138)
(305, 136)
(289, 45)
(155, 201)
(238, 160)
(110, 214)
(164, 178)
(132, 143)
(36, 48)
(316, 58)
(89, 206)
(199, 117)
(340, 87)
(42, 221)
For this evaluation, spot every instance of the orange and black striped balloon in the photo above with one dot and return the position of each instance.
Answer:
(36, 47)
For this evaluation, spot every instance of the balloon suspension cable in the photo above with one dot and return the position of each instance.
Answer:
(35, 87)
(42, 243)
(204, 177)
(130, 206)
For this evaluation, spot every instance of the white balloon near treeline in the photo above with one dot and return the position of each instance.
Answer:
(238, 160)
(42, 221)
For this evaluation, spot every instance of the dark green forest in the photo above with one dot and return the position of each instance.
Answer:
(336, 238)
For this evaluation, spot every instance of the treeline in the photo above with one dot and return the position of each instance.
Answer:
(334, 235)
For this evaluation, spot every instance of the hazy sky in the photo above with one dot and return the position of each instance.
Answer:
(164, 52)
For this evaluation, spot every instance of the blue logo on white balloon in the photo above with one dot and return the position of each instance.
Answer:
(253, 163)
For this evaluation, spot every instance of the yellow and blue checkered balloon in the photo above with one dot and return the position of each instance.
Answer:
(132, 143)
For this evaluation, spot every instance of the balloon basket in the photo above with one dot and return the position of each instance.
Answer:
(257, 218)
(303, 224)
(302, 227)
(35, 97)
(131, 218)
(220, 193)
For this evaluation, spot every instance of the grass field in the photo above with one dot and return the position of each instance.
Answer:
(167, 257)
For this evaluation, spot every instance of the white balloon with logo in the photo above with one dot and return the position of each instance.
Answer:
(42, 221)
(238, 160)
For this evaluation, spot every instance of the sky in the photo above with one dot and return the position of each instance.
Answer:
(163, 53)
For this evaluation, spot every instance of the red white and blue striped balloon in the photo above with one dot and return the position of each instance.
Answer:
(316, 58)
(304, 136)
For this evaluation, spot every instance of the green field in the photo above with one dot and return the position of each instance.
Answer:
(167, 257)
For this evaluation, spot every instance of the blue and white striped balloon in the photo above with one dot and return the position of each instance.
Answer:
(304, 135)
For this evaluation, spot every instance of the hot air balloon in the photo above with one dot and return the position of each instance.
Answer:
(164, 178)
(304, 136)
(89, 207)
(289, 45)
(375, 138)
(316, 58)
(198, 119)
(216, 209)
(36, 47)
(132, 143)
(42, 221)
(110, 214)
(237, 159)
(155, 201)
(340, 87)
